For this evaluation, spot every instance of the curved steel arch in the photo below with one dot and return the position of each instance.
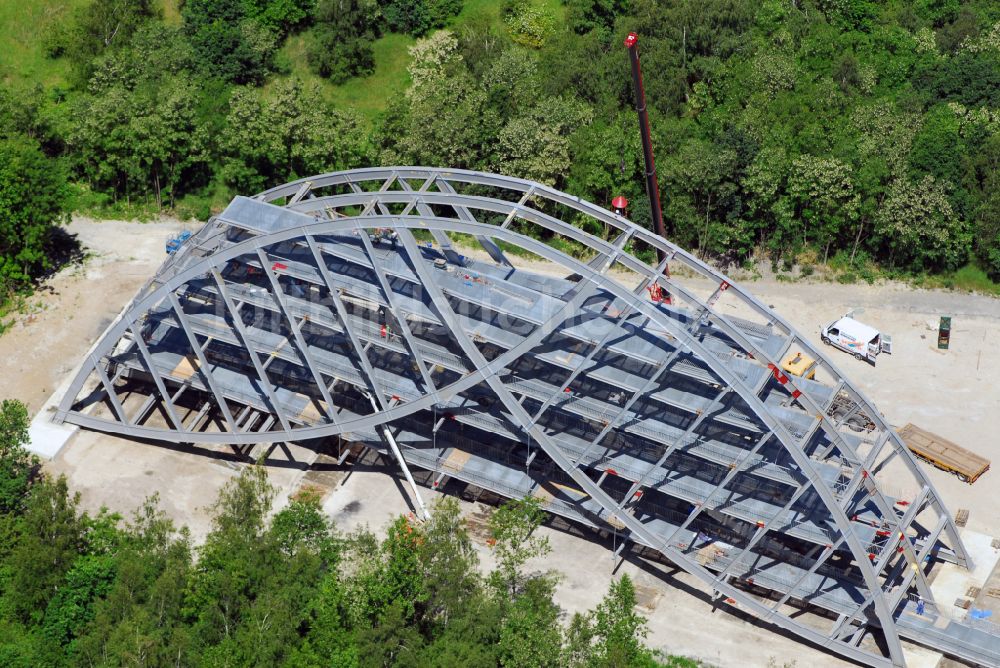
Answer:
(371, 195)
(386, 175)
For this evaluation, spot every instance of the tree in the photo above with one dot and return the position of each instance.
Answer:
(340, 44)
(512, 527)
(285, 135)
(18, 467)
(296, 552)
(618, 629)
(446, 120)
(229, 43)
(606, 162)
(441, 11)
(535, 144)
(530, 635)
(330, 640)
(587, 15)
(987, 235)
(511, 82)
(852, 14)
(822, 193)
(89, 579)
(971, 78)
(140, 140)
(21, 112)
(386, 593)
(418, 17)
(51, 538)
(448, 564)
(528, 24)
(137, 131)
(578, 646)
(938, 149)
(230, 568)
(699, 178)
(919, 227)
(279, 16)
(407, 16)
(100, 26)
(985, 169)
(33, 195)
(139, 620)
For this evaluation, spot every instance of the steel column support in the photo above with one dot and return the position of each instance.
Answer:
(728, 478)
(241, 331)
(762, 530)
(598, 347)
(377, 396)
(651, 382)
(297, 333)
(168, 402)
(821, 559)
(341, 313)
(203, 366)
(109, 389)
(390, 299)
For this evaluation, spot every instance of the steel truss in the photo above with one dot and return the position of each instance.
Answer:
(340, 306)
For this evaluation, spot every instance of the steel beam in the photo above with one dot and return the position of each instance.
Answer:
(203, 365)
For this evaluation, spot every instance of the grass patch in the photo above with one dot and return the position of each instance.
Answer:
(970, 278)
(85, 201)
(473, 8)
(200, 205)
(11, 305)
(24, 28)
(367, 96)
(171, 12)
(370, 95)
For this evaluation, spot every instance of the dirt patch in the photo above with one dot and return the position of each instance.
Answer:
(646, 598)
(71, 309)
(322, 478)
(477, 522)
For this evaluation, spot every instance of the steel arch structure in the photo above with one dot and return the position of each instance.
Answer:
(340, 306)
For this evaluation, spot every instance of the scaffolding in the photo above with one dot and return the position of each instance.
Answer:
(339, 307)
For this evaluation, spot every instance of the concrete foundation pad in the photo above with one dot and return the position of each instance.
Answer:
(953, 582)
(46, 438)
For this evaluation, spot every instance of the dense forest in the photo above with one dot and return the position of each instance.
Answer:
(860, 132)
(282, 588)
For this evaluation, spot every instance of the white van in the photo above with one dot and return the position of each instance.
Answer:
(861, 340)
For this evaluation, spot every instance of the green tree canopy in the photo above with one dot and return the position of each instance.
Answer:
(18, 467)
(33, 196)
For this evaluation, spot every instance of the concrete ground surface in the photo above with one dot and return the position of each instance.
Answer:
(950, 392)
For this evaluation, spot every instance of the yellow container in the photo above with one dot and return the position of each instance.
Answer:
(797, 364)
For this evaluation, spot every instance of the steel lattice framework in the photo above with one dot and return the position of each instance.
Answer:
(340, 306)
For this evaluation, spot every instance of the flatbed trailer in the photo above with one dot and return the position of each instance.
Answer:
(944, 454)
